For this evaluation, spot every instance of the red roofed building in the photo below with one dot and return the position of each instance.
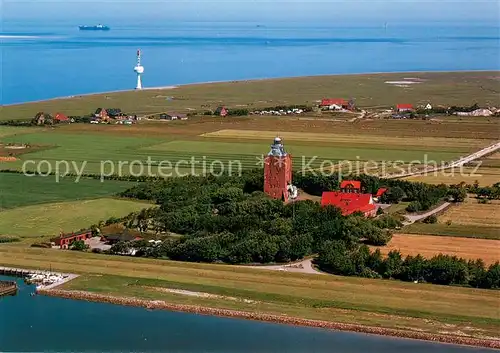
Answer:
(380, 192)
(332, 102)
(65, 240)
(350, 186)
(221, 111)
(61, 118)
(404, 108)
(350, 203)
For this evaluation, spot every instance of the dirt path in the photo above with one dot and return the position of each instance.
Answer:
(304, 266)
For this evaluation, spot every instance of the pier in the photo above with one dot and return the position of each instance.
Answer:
(8, 288)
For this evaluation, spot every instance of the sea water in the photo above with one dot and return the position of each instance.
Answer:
(45, 59)
(37, 323)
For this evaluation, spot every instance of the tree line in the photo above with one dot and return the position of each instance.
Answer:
(338, 258)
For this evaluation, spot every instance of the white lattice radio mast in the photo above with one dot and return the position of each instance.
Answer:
(139, 70)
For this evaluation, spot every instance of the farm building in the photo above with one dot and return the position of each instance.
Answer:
(125, 235)
(65, 240)
(350, 186)
(173, 116)
(61, 118)
(379, 194)
(335, 104)
(404, 108)
(350, 202)
(221, 111)
(40, 118)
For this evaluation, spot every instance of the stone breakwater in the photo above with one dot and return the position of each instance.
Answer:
(161, 305)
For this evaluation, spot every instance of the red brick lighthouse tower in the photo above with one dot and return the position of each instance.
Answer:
(278, 172)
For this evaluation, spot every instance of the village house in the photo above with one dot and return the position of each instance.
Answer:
(64, 240)
(404, 108)
(40, 118)
(221, 111)
(173, 116)
(334, 104)
(61, 118)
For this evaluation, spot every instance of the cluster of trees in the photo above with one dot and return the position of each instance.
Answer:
(340, 259)
(16, 123)
(485, 192)
(450, 110)
(8, 239)
(230, 112)
(78, 245)
(229, 219)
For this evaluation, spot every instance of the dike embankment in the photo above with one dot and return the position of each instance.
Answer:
(161, 305)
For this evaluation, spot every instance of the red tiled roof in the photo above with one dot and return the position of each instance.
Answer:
(336, 101)
(348, 202)
(380, 192)
(350, 183)
(61, 117)
(404, 106)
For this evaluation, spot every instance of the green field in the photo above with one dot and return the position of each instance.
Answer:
(383, 303)
(454, 230)
(8, 130)
(103, 150)
(20, 190)
(451, 88)
(50, 219)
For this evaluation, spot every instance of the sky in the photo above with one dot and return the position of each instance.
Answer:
(253, 10)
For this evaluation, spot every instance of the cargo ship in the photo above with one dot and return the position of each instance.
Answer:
(94, 28)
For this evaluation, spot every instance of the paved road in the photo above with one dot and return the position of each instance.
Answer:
(414, 218)
(460, 162)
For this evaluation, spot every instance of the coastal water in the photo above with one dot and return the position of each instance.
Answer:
(36, 324)
(43, 59)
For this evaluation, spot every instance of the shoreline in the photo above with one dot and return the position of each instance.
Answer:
(174, 86)
(271, 318)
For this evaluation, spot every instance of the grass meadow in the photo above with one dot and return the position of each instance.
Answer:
(341, 299)
(49, 219)
(19, 190)
(101, 148)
